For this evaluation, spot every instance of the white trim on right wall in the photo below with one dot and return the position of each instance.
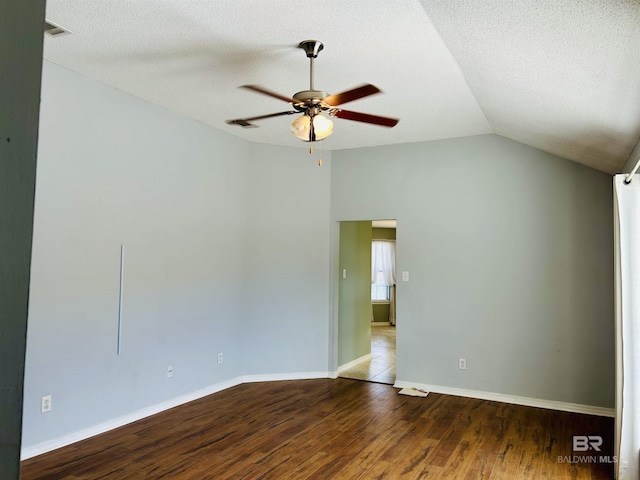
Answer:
(512, 399)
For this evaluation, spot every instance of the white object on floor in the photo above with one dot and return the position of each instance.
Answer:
(413, 392)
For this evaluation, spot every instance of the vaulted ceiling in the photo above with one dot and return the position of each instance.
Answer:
(561, 76)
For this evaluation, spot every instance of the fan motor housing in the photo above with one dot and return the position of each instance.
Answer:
(310, 98)
(310, 95)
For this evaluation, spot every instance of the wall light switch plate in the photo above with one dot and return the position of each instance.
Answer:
(169, 371)
(405, 276)
(344, 273)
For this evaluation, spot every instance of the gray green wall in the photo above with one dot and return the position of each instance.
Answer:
(380, 312)
(384, 234)
(354, 297)
(20, 63)
(509, 251)
(286, 283)
(112, 170)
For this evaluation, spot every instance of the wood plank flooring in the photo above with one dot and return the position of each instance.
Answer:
(333, 429)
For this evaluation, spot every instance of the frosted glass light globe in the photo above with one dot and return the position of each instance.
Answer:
(323, 127)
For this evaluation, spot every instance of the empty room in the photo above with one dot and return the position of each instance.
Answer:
(184, 189)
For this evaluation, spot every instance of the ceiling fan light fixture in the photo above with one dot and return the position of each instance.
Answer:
(322, 126)
(311, 126)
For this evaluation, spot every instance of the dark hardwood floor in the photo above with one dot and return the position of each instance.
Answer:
(334, 429)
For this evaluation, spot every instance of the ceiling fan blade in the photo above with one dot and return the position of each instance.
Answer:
(264, 91)
(245, 122)
(365, 118)
(351, 95)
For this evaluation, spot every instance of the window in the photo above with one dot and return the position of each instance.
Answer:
(383, 275)
(379, 292)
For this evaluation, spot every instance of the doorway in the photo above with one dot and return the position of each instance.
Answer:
(366, 301)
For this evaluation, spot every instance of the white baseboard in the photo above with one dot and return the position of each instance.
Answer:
(353, 363)
(513, 399)
(275, 377)
(49, 445)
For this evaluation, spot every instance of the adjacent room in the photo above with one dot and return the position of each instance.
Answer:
(204, 268)
(367, 306)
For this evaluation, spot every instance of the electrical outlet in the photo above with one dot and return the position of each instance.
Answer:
(45, 405)
(169, 371)
(220, 358)
(462, 363)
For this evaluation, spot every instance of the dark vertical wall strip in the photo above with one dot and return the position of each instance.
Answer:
(21, 26)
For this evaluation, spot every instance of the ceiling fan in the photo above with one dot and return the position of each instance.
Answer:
(312, 126)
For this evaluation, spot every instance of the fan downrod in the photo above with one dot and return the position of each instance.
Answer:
(311, 48)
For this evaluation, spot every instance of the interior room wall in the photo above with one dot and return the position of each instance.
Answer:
(380, 312)
(383, 233)
(20, 64)
(113, 170)
(509, 251)
(286, 287)
(354, 297)
(218, 258)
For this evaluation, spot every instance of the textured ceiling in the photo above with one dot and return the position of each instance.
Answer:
(561, 76)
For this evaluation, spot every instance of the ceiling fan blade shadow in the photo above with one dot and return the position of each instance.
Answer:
(351, 95)
(264, 91)
(246, 122)
(365, 118)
